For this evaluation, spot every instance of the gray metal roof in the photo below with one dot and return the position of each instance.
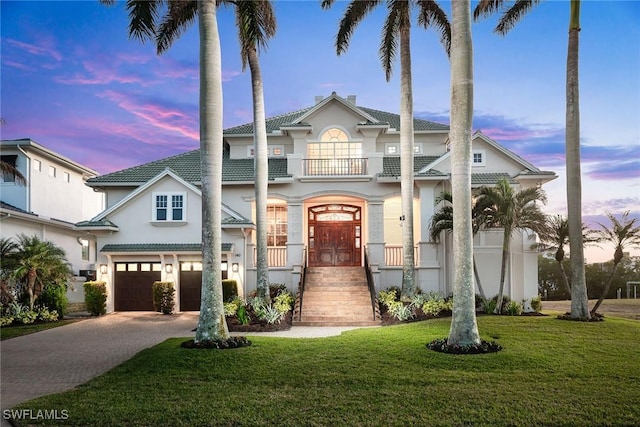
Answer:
(159, 247)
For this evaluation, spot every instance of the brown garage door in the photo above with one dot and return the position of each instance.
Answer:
(133, 284)
(190, 286)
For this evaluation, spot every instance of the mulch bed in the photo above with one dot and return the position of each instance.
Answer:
(259, 326)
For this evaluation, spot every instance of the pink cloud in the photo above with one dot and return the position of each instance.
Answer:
(227, 76)
(36, 50)
(17, 65)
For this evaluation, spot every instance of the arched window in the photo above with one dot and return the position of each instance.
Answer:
(324, 156)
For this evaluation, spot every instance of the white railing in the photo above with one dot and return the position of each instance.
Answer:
(393, 256)
(332, 167)
(276, 256)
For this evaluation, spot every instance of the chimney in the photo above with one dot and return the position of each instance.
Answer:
(351, 99)
(319, 98)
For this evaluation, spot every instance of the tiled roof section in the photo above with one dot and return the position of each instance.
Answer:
(394, 121)
(490, 178)
(391, 165)
(236, 221)
(187, 167)
(9, 207)
(289, 119)
(537, 172)
(273, 123)
(158, 247)
(96, 224)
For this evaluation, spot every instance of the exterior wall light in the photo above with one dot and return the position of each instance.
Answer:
(168, 268)
(103, 269)
(235, 267)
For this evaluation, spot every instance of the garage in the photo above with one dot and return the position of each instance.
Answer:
(190, 285)
(133, 285)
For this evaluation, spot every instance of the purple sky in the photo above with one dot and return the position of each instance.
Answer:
(73, 81)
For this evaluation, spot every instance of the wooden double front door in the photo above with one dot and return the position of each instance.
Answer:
(334, 235)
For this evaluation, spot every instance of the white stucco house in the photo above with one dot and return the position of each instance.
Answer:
(54, 199)
(334, 197)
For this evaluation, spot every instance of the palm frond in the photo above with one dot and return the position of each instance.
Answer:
(431, 15)
(143, 16)
(389, 42)
(513, 15)
(353, 15)
(179, 17)
(256, 24)
(485, 8)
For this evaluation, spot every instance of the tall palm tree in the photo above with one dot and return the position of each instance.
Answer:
(256, 24)
(623, 234)
(36, 260)
(512, 211)
(396, 34)
(510, 17)
(442, 221)
(464, 327)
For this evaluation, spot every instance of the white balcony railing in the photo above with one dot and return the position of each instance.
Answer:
(393, 256)
(276, 256)
(334, 167)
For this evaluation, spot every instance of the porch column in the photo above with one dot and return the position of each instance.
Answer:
(295, 240)
(429, 269)
(375, 238)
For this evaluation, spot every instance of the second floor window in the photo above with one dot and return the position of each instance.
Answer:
(276, 225)
(169, 207)
(329, 156)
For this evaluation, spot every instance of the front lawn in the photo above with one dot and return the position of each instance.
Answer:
(550, 372)
(18, 330)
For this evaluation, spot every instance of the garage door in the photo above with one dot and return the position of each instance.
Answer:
(133, 284)
(190, 285)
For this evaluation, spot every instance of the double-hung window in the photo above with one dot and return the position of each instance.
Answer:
(169, 207)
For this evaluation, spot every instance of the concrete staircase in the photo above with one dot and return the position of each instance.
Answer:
(335, 296)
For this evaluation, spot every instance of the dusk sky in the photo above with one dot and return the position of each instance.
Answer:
(73, 81)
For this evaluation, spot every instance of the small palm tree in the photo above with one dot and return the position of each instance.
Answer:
(8, 249)
(623, 234)
(396, 34)
(511, 211)
(37, 260)
(442, 221)
(556, 239)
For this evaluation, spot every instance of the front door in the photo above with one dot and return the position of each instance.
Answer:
(334, 235)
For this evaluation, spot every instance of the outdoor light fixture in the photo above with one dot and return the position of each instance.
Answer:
(168, 268)
(224, 266)
(103, 269)
(235, 267)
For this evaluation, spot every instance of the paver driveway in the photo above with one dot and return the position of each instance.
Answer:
(61, 358)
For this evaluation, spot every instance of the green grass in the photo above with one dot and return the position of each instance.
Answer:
(13, 331)
(550, 372)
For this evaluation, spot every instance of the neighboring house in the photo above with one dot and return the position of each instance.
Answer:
(334, 196)
(54, 199)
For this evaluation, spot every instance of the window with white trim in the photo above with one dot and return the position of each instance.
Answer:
(478, 158)
(276, 225)
(37, 165)
(66, 177)
(272, 151)
(393, 148)
(169, 207)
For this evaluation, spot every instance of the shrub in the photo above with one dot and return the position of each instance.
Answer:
(26, 317)
(6, 320)
(43, 314)
(95, 297)
(513, 308)
(231, 308)
(283, 302)
(489, 305)
(536, 303)
(270, 314)
(163, 297)
(434, 307)
(229, 289)
(388, 297)
(276, 289)
(54, 297)
(243, 316)
(400, 311)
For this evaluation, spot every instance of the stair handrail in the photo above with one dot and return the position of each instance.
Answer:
(303, 280)
(370, 284)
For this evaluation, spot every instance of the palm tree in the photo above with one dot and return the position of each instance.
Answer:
(442, 221)
(464, 327)
(37, 260)
(623, 234)
(511, 16)
(396, 34)
(556, 239)
(8, 249)
(256, 24)
(512, 211)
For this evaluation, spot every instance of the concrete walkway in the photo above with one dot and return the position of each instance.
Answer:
(60, 359)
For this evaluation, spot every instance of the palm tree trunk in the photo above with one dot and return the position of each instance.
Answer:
(579, 298)
(563, 275)
(506, 246)
(406, 159)
(605, 292)
(212, 324)
(464, 328)
(476, 274)
(262, 175)
(31, 284)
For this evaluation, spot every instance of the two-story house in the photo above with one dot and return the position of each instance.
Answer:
(54, 198)
(333, 197)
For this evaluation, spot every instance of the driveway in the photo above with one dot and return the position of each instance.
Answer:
(62, 358)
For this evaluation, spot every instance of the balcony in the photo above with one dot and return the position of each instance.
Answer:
(276, 256)
(335, 167)
(393, 256)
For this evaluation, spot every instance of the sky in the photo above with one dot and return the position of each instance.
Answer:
(72, 80)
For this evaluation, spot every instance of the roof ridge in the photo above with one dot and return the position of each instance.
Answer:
(279, 116)
(397, 114)
(153, 162)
